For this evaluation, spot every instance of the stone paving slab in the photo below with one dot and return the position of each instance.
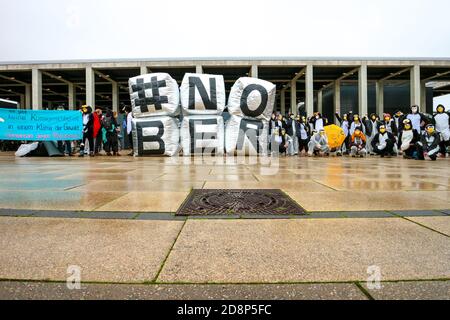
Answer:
(441, 224)
(367, 201)
(105, 250)
(56, 200)
(421, 290)
(305, 250)
(59, 291)
(423, 213)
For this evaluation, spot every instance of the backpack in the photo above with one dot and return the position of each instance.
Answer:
(107, 123)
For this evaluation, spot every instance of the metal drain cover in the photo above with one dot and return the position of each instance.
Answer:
(202, 202)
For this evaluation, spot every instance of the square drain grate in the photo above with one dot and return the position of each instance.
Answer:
(201, 202)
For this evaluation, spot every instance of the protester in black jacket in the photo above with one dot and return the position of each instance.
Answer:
(88, 131)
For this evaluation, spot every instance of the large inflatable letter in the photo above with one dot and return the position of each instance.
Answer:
(156, 136)
(202, 135)
(202, 94)
(155, 94)
(253, 98)
(246, 136)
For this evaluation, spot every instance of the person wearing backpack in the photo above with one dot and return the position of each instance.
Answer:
(109, 134)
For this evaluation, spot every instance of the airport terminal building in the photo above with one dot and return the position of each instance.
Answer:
(303, 85)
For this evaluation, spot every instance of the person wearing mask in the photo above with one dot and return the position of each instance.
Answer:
(88, 131)
(318, 145)
(358, 144)
(428, 146)
(418, 120)
(408, 139)
(109, 134)
(372, 129)
(285, 146)
(318, 122)
(383, 142)
(345, 125)
(303, 134)
(441, 120)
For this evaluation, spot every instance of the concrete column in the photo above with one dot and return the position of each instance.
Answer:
(294, 97)
(115, 96)
(423, 96)
(36, 89)
(90, 87)
(254, 71)
(72, 99)
(27, 97)
(379, 88)
(144, 70)
(337, 97)
(309, 86)
(22, 101)
(198, 68)
(283, 101)
(362, 90)
(415, 86)
(320, 101)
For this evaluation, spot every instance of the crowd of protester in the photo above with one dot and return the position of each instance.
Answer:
(414, 135)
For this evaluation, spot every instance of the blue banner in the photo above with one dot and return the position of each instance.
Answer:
(40, 125)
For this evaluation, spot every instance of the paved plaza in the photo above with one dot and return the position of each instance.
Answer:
(114, 218)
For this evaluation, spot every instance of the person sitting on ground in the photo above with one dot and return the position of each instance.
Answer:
(318, 145)
(358, 144)
(383, 142)
(109, 134)
(407, 139)
(286, 146)
(428, 146)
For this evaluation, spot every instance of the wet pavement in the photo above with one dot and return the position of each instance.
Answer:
(123, 236)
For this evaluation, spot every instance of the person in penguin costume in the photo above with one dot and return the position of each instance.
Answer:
(407, 140)
(357, 123)
(428, 146)
(389, 123)
(345, 125)
(358, 144)
(318, 145)
(302, 131)
(318, 122)
(371, 130)
(441, 120)
(418, 120)
(383, 142)
(398, 118)
(88, 131)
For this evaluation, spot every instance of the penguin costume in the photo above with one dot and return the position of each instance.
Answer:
(441, 120)
(88, 131)
(428, 146)
(383, 142)
(419, 120)
(358, 144)
(408, 139)
(318, 122)
(398, 118)
(389, 123)
(345, 125)
(303, 133)
(357, 123)
(371, 130)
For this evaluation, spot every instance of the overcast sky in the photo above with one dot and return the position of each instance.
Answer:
(106, 29)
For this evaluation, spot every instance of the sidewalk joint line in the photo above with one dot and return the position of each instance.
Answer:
(168, 253)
